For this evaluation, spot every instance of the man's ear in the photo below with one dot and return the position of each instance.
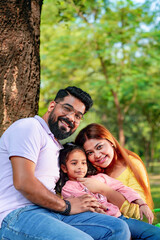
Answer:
(51, 106)
(64, 168)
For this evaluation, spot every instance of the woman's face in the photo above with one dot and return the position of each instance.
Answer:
(99, 152)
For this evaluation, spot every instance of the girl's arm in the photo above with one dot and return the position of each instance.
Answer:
(73, 190)
(118, 195)
(107, 186)
(97, 186)
(132, 196)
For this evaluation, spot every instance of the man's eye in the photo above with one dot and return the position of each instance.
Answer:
(78, 117)
(67, 109)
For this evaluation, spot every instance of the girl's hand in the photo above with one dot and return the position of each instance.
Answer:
(93, 185)
(145, 210)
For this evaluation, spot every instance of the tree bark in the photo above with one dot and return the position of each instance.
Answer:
(152, 147)
(19, 60)
(119, 118)
(116, 101)
(147, 153)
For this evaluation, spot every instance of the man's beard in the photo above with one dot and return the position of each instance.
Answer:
(59, 133)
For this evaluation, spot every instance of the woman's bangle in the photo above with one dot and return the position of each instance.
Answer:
(143, 204)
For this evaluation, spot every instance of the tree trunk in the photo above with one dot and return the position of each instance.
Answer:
(152, 147)
(19, 60)
(116, 101)
(146, 152)
(119, 119)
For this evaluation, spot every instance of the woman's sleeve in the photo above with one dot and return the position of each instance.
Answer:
(134, 184)
(130, 210)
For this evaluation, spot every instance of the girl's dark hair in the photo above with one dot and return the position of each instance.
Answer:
(63, 155)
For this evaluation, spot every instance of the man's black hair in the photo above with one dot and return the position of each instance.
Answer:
(76, 92)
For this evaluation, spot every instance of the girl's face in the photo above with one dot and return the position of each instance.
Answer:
(76, 165)
(99, 152)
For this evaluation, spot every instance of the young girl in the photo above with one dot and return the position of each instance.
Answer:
(74, 165)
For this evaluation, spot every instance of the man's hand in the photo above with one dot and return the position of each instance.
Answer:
(85, 203)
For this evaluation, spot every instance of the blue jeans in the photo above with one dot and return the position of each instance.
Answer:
(36, 223)
(142, 230)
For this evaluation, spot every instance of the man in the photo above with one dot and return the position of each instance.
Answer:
(29, 207)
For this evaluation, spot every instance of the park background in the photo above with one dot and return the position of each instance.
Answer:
(110, 49)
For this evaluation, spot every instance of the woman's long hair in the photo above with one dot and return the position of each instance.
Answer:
(63, 157)
(97, 131)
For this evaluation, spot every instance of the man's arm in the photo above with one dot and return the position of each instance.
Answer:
(25, 182)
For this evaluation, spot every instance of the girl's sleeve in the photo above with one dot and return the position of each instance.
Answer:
(118, 186)
(128, 208)
(71, 189)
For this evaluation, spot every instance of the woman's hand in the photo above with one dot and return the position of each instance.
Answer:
(93, 185)
(145, 210)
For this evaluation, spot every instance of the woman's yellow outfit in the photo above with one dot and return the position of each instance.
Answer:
(127, 177)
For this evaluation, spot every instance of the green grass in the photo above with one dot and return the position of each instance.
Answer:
(154, 176)
(155, 189)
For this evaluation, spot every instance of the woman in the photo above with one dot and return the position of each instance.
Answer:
(107, 156)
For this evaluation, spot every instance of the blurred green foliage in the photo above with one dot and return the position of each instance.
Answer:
(108, 48)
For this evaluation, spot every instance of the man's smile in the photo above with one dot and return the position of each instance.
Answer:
(66, 123)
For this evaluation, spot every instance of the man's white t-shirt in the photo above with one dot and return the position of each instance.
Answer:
(30, 138)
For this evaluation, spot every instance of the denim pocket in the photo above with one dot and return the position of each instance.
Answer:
(13, 216)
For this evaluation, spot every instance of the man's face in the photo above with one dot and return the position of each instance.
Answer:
(61, 123)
